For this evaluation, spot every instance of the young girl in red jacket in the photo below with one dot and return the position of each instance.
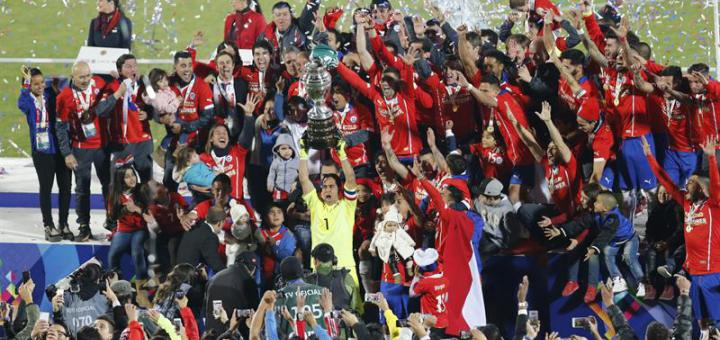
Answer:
(128, 206)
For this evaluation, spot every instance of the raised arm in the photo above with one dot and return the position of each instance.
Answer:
(435, 196)
(592, 27)
(464, 51)
(709, 150)
(548, 37)
(303, 174)
(383, 53)
(247, 133)
(366, 59)
(356, 82)
(350, 184)
(573, 37)
(527, 137)
(555, 135)
(593, 51)
(639, 81)
(307, 17)
(482, 97)
(565, 74)
(437, 154)
(392, 159)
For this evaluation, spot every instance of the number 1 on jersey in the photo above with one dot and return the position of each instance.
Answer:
(327, 224)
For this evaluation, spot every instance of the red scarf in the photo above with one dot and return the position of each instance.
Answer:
(106, 22)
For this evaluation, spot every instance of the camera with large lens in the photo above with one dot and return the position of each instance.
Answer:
(88, 272)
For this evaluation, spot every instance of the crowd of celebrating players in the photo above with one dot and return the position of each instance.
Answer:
(555, 132)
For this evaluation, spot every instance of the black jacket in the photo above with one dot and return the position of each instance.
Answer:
(236, 288)
(119, 37)
(665, 223)
(200, 244)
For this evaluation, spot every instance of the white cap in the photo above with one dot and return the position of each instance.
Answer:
(393, 215)
(425, 257)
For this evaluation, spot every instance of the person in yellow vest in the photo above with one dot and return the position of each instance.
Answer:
(332, 215)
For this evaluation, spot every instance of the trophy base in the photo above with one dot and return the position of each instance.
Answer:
(321, 134)
(320, 143)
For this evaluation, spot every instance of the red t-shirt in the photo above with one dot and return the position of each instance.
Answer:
(702, 225)
(396, 114)
(584, 104)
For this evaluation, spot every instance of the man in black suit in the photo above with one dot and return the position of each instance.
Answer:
(236, 288)
(200, 244)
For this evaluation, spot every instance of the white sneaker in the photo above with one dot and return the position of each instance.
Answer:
(619, 285)
(640, 293)
(664, 272)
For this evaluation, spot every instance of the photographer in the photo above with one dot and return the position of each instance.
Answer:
(32, 311)
(117, 293)
(183, 273)
(235, 286)
(84, 302)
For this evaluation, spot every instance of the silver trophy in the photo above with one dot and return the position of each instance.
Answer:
(322, 133)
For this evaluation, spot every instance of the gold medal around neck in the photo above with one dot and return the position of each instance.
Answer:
(616, 101)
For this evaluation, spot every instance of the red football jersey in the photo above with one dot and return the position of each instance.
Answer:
(676, 118)
(350, 121)
(166, 216)
(433, 291)
(707, 111)
(564, 184)
(517, 151)
(232, 164)
(627, 103)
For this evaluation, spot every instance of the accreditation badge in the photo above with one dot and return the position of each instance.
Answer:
(42, 140)
(89, 130)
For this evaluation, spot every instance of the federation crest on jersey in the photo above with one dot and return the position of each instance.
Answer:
(353, 119)
(191, 96)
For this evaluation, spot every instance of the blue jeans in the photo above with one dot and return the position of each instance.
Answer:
(135, 243)
(304, 242)
(593, 270)
(630, 257)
